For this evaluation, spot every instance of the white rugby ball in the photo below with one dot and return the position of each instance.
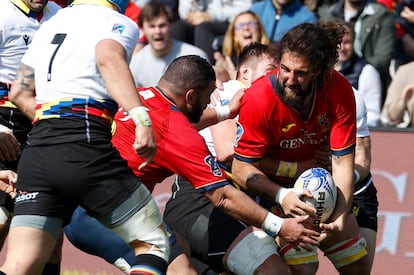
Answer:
(320, 183)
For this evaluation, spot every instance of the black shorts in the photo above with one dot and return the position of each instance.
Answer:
(365, 204)
(54, 179)
(208, 230)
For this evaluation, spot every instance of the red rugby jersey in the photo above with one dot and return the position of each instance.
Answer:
(267, 126)
(181, 150)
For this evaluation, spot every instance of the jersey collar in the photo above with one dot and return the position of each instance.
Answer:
(24, 8)
(94, 2)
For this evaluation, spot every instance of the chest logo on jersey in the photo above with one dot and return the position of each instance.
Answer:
(239, 133)
(118, 28)
(288, 127)
(214, 167)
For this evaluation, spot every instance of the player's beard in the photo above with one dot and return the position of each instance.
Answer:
(194, 113)
(294, 95)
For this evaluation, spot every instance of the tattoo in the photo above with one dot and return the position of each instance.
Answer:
(251, 178)
(25, 77)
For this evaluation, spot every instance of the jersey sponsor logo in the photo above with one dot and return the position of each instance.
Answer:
(119, 28)
(24, 196)
(26, 39)
(214, 167)
(288, 127)
(239, 133)
(307, 139)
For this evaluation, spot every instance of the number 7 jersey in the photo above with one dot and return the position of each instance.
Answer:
(64, 58)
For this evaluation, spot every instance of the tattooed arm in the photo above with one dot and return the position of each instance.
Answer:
(22, 92)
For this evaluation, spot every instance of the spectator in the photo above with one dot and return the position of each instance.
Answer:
(201, 21)
(244, 29)
(374, 31)
(149, 64)
(403, 11)
(171, 4)
(278, 16)
(398, 109)
(362, 76)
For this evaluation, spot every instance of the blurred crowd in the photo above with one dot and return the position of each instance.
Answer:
(375, 57)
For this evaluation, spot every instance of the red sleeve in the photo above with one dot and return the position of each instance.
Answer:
(255, 113)
(343, 132)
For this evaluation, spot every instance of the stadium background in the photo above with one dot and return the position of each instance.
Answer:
(393, 171)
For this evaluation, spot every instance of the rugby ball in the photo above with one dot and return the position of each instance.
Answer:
(320, 183)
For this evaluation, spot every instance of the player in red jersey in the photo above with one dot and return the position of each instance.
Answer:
(289, 115)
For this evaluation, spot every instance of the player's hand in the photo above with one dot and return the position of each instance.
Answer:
(9, 147)
(293, 206)
(8, 180)
(145, 144)
(234, 104)
(334, 227)
(235, 101)
(293, 231)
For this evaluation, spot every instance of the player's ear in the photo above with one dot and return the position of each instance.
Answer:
(244, 72)
(190, 97)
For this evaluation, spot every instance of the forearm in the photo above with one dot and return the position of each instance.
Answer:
(224, 134)
(249, 177)
(22, 92)
(363, 157)
(238, 205)
(343, 175)
(213, 115)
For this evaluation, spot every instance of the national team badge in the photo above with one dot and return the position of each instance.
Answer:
(214, 167)
(324, 121)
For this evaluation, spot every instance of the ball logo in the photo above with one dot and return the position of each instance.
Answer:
(320, 183)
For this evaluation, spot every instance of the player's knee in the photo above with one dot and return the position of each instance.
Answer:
(349, 252)
(251, 253)
(145, 225)
(301, 261)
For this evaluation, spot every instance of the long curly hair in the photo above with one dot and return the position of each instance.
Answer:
(318, 42)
